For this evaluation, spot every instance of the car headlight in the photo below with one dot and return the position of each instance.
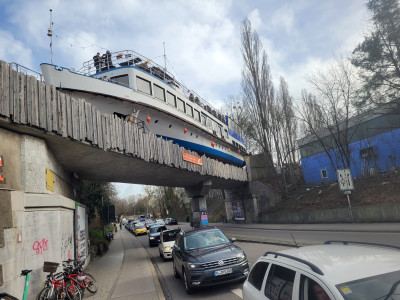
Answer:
(167, 248)
(194, 266)
(241, 257)
(152, 237)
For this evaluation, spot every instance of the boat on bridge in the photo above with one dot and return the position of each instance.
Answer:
(133, 87)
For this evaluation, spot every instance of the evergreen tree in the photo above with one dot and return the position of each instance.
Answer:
(378, 56)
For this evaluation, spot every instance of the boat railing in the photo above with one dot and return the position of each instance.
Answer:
(123, 58)
(27, 71)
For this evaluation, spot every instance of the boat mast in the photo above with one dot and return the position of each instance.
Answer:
(50, 34)
(165, 61)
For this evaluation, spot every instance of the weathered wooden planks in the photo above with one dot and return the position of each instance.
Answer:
(26, 100)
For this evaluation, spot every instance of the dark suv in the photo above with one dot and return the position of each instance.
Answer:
(205, 256)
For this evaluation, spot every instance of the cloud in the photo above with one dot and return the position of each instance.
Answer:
(125, 190)
(11, 49)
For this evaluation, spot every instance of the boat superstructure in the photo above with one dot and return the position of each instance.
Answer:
(133, 87)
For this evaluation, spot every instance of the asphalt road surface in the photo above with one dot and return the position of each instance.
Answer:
(315, 234)
(174, 288)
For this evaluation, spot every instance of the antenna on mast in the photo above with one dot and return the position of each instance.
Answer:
(50, 34)
(165, 61)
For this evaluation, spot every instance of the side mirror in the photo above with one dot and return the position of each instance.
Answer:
(233, 239)
(177, 248)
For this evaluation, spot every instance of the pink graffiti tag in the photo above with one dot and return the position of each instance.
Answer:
(39, 247)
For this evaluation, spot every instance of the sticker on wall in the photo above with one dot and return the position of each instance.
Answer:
(2, 179)
(49, 180)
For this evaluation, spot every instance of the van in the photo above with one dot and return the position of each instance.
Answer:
(142, 218)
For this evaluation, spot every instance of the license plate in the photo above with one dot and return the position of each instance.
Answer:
(223, 272)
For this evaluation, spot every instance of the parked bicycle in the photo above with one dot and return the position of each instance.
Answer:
(56, 287)
(76, 276)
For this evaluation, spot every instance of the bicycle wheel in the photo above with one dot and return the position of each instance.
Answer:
(90, 283)
(73, 292)
(46, 293)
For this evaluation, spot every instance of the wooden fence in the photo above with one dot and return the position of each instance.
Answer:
(28, 101)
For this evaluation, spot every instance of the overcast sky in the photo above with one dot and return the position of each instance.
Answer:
(202, 37)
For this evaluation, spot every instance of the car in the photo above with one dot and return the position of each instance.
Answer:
(335, 270)
(160, 222)
(154, 234)
(148, 224)
(167, 241)
(139, 229)
(171, 221)
(205, 257)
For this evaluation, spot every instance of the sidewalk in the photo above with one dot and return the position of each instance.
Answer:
(125, 271)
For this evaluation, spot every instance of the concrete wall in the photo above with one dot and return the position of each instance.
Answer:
(10, 150)
(361, 214)
(36, 223)
(42, 230)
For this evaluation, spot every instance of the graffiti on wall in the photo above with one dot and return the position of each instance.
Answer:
(40, 246)
(2, 179)
(67, 246)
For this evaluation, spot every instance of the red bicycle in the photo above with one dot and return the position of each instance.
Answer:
(76, 276)
(56, 287)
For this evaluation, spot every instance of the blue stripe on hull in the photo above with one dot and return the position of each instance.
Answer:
(206, 150)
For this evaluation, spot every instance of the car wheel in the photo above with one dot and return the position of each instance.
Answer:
(188, 289)
(175, 270)
(160, 254)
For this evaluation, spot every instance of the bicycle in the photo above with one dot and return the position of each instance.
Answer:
(56, 287)
(75, 275)
(6, 296)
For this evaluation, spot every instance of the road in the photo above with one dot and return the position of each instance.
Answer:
(174, 288)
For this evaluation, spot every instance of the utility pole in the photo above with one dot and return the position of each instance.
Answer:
(50, 34)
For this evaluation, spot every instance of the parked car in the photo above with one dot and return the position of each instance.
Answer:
(154, 234)
(205, 256)
(171, 221)
(167, 241)
(139, 229)
(148, 224)
(160, 222)
(335, 270)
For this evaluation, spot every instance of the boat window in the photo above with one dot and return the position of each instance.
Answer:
(181, 105)
(197, 115)
(189, 110)
(226, 134)
(203, 119)
(143, 85)
(123, 79)
(209, 123)
(159, 92)
(171, 99)
(220, 131)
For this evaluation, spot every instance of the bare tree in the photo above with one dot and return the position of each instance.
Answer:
(328, 117)
(257, 87)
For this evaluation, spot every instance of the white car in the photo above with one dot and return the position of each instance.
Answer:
(167, 242)
(335, 270)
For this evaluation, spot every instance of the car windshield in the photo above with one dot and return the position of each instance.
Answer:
(384, 286)
(157, 229)
(139, 226)
(205, 239)
(170, 235)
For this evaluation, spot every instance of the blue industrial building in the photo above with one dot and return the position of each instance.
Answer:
(374, 143)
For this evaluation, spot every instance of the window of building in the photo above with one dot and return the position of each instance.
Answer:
(143, 86)
(197, 115)
(324, 173)
(181, 105)
(171, 99)
(159, 92)
(123, 79)
(189, 110)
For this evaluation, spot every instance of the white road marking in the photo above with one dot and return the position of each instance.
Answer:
(238, 292)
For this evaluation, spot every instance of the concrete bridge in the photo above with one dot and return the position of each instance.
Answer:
(50, 141)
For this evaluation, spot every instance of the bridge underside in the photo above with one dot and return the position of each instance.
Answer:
(93, 163)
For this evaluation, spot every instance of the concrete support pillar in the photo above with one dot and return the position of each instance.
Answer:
(197, 194)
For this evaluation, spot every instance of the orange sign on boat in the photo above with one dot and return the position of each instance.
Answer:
(191, 158)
